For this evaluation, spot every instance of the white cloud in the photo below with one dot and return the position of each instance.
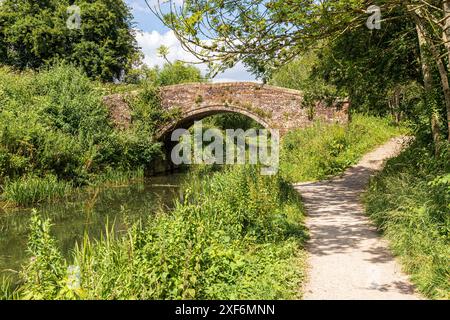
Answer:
(151, 41)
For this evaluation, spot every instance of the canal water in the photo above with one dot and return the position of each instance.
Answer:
(90, 213)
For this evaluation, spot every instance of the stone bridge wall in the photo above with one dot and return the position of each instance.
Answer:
(273, 107)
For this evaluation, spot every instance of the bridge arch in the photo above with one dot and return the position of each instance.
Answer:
(187, 119)
(273, 107)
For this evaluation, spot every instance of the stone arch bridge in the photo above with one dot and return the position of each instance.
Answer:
(273, 107)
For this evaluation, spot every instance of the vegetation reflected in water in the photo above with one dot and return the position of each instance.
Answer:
(88, 213)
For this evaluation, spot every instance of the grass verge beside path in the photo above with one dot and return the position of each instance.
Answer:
(410, 203)
(324, 150)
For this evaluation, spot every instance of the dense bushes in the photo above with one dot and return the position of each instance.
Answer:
(236, 235)
(410, 203)
(54, 123)
(170, 74)
(233, 121)
(48, 121)
(324, 150)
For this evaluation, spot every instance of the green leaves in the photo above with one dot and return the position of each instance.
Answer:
(178, 72)
(55, 133)
(44, 273)
(238, 235)
(256, 31)
(36, 35)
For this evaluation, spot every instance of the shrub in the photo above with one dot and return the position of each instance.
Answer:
(45, 257)
(236, 235)
(178, 72)
(53, 123)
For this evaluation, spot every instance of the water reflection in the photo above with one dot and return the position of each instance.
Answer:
(90, 213)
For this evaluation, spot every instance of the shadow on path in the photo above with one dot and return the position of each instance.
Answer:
(347, 257)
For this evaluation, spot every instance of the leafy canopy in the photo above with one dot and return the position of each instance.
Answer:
(261, 33)
(34, 34)
(266, 34)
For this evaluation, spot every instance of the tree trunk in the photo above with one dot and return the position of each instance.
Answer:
(428, 83)
(445, 82)
(426, 69)
(394, 105)
(446, 38)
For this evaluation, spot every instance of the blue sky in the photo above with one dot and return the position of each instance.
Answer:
(154, 34)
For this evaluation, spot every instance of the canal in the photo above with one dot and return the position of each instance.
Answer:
(88, 212)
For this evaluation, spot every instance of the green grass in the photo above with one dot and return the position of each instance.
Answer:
(410, 203)
(325, 150)
(31, 190)
(118, 177)
(27, 191)
(236, 235)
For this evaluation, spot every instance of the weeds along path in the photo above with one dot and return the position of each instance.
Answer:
(347, 257)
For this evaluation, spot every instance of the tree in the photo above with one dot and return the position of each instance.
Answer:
(171, 73)
(163, 52)
(263, 34)
(372, 68)
(34, 34)
(301, 74)
(296, 74)
(178, 72)
(266, 34)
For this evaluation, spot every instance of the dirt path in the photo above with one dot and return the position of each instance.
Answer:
(347, 257)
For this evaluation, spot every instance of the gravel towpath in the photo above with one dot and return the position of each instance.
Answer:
(347, 257)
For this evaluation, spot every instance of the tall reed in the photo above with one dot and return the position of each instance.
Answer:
(236, 235)
(31, 190)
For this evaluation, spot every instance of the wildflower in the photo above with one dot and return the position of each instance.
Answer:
(73, 277)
